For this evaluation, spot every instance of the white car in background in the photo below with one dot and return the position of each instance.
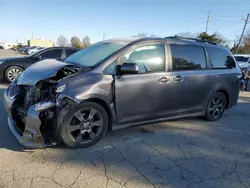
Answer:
(31, 51)
(243, 60)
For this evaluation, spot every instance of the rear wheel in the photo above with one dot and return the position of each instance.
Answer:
(216, 107)
(12, 73)
(84, 125)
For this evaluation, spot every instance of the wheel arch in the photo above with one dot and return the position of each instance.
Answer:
(105, 106)
(225, 92)
(13, 66)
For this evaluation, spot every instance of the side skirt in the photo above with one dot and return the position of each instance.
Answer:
(121, 126)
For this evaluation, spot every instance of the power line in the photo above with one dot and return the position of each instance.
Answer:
(246, 21)
(220, 20)
(227, 16)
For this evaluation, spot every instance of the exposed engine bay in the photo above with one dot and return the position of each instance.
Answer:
(34, 106)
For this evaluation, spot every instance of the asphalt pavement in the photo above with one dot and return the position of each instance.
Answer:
(189, 153)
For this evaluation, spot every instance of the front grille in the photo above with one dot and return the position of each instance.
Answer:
(27, 94)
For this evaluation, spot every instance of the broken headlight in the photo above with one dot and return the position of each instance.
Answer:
(44, 105)
(61, 89)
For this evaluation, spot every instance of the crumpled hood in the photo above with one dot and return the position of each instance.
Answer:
(40, 71)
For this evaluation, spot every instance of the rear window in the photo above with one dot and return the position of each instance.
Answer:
(241, 58)
(221, 58)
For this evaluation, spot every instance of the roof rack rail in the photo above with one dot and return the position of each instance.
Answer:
(189, 38)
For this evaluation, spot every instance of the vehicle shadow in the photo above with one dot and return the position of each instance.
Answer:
(174, 153)
(178, 153)
(7, 139)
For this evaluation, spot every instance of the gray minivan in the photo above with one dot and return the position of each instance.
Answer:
(119, 83)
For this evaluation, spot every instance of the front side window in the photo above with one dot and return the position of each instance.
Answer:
(221, 58)
(149, 58)
(54, 54)
(187, 57)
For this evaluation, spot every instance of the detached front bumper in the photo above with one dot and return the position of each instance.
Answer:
(27, 132)
(25, 141)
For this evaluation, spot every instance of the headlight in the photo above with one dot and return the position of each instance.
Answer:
(61, 89)
(44, 105)
(1, 62)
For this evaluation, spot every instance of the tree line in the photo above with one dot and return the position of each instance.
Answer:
(74, 41)
(215, 37)
(244, 47)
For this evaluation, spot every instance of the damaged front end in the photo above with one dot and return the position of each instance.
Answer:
(32, 105)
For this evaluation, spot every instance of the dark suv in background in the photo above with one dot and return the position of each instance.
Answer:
(119, 83)
(10, 68)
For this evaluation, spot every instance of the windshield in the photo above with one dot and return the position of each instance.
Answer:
(241, 58)
(94, 54)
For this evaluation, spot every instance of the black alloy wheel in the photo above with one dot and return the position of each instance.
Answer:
(84, 125)
(216, 107)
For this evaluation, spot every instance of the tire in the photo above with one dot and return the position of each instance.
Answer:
(216, 107)
(78, 130)
(12, 72)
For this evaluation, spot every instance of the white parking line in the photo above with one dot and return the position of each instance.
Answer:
(3, 86)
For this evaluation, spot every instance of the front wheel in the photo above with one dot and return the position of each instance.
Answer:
(216, 107)
(84, 125)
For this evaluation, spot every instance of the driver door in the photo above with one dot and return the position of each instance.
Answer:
(141, 96)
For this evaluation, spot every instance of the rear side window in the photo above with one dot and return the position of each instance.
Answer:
(221, 58)
(54, 54)
(241, 58)
(187, 57)
(70, 52)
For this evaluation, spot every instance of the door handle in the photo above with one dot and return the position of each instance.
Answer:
(164, 79)
(178, 78)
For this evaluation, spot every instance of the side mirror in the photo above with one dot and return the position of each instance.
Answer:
(129, 68)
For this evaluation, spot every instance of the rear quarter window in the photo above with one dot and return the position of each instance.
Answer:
(70, 52)
(221, 58)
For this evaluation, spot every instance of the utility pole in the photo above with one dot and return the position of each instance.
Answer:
(208, 19)
(32, 34)
(103, 35)
(242, 34)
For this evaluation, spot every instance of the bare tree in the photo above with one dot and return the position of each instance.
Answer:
(62, 41)
(153, 35)
(142, 35)
(75, 42)
(145, 35)
(245, 45)
(85, 41)
(187, 34)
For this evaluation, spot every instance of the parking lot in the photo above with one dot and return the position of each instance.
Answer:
(189, 153)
